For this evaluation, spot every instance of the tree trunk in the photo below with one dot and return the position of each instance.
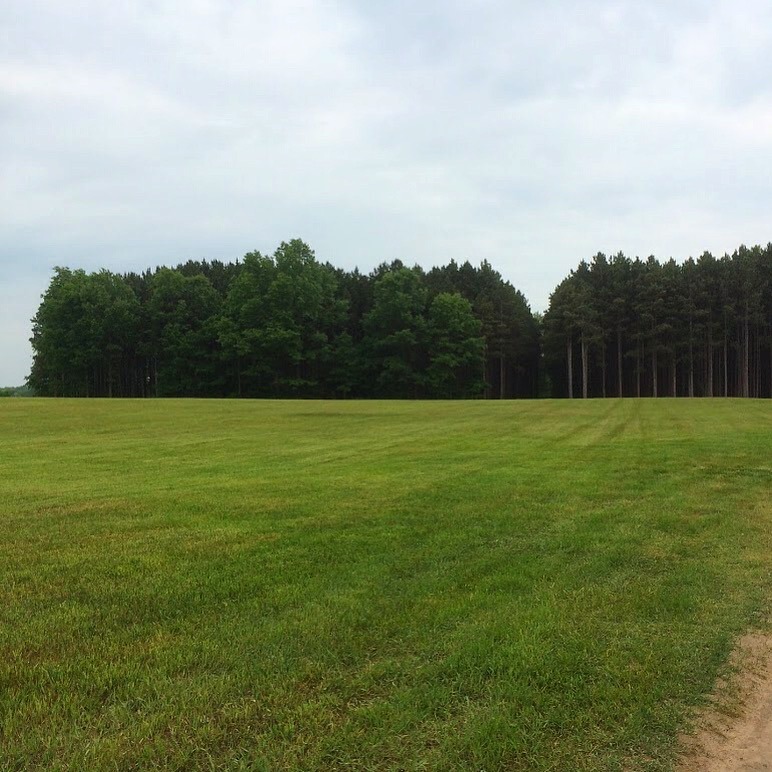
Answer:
(757, 393)
(603, 369)
(710, 365)
(584, 368)
(570, 364)
(674, 371)
(487, 388)
(654, 373)
(502, 376)
(638, 358)
(745, 359)
(619, 363)
(726, 367)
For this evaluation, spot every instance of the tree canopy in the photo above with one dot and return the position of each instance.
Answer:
(622, 327)
(286, 325)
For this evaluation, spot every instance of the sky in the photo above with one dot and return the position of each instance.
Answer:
(531, 134)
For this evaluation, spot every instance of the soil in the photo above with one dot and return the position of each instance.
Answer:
(734, 734)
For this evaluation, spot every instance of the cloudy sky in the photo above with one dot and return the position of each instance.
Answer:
(531, 133)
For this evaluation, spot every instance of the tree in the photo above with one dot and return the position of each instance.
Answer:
(281, 315)
(395, 334)
(456, 348)
(83, 334)
(286, 325)
(559, 330)
(183, 313)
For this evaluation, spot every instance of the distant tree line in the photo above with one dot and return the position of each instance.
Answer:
(622, 327)
(286, 325)
(15, 391)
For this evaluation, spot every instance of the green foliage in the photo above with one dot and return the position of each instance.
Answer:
(395, 334)
(15, 391)
(83, 335)
(286, 325)
(457, 348)
(282, 316)
(281, 326)
(645, 328)
(182, 312)
(510, 333)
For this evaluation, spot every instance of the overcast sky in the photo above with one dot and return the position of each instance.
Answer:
(532, 134)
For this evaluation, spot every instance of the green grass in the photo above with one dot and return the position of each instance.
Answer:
(371, 585)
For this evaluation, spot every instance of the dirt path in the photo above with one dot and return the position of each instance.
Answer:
(736, 734)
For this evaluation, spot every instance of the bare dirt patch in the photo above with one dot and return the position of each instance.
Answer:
(734, 734)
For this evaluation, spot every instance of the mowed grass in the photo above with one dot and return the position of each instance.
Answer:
(373, 585)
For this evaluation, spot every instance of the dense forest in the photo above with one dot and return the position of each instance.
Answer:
(636, 328)
(286, 325)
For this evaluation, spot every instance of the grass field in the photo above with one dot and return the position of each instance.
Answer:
(371, 585)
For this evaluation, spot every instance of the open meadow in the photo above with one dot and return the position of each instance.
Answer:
(373, 585)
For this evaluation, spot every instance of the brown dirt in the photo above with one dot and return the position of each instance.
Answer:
(734, 734)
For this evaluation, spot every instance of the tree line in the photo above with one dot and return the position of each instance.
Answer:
(286, 325)
(622, 327)
(15, 391)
